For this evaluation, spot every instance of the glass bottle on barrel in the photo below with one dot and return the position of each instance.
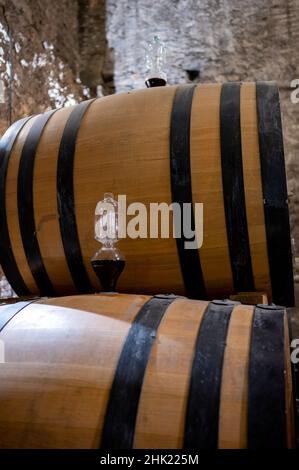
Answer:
(108, 262)
(155, 61)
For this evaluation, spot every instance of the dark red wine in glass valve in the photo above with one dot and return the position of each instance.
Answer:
(153, 82)
(155, 63)
(108, 272)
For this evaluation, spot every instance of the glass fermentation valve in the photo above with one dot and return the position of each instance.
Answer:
(108, 262)
(155, 61)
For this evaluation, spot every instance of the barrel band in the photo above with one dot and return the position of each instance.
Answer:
(226, 302)
(270, 307)
(26, 205)
(201, 426)
(66, 199)
(9, 312)
(267, 427)
(119, 424)
(233, 188)
(7, 259)
(275, 193)
(181, 187)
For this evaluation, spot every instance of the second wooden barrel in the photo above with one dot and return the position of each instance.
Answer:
(220, 145)
(132, 371)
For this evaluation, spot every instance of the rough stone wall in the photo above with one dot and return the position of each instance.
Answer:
(40, 40)
(96, 58)
(223, 40)
(52, 54)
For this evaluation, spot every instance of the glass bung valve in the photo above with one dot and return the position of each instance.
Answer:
(108, 262)
(155, 62)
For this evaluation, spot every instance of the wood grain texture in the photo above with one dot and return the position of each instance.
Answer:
(45, 203)
(234, 386)
(126, 138)
(289, 387)
(12, 208)
(207, 188)
(250, 298)
(162, 408)
(61, 358)
(253, 188)
(55, 387)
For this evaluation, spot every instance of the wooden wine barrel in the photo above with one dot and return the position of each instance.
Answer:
(220, 145)
(133, 371)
